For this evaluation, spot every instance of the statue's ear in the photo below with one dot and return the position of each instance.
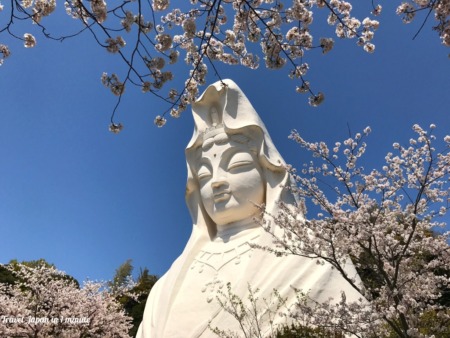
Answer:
(200, 218)
(192, 198)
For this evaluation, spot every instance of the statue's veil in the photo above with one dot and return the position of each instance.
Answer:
(237, 114)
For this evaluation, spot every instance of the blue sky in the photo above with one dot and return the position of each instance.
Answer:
(87, 200)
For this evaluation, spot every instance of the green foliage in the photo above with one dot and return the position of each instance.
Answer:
(6, 276)
(135, 308)
(427, 325)
(429, 318)
(121, 278)
(33, 263)
(134, 301)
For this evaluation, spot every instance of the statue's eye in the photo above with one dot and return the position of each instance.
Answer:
(239, 160)
(203, 173)
(239, 164)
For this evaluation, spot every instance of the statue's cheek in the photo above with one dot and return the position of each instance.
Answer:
(248, 186)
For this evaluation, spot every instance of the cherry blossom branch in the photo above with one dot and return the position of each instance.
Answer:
(226, 29)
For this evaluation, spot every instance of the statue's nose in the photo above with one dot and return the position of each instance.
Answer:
(217, 182)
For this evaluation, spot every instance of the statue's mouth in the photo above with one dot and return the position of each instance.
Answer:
(222, 196)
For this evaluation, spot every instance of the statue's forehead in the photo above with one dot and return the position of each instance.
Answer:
(224, 149)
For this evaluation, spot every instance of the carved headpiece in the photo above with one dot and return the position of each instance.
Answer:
(215, 125)
(208, 112)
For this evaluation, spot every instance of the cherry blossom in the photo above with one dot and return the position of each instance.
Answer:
(115, 128)
(207, 32)
(277, 34)
(45, 302)
(160, 121)
(29, 40)
(387, 221)
(4, 51)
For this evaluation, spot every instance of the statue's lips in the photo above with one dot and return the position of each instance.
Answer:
(222, 196)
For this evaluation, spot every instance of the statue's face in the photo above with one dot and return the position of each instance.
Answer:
(231, 182)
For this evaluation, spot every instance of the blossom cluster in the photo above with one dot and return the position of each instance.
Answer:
(130, 19)
(441, 9)
(98, 10)
(113, 83)
(45, 302)
(29, 40)
(114, 45)
(351, 27)
(4, 53)
(40, 8)
(77, 10)
(386, 220)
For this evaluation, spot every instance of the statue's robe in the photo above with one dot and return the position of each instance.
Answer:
(182, 303)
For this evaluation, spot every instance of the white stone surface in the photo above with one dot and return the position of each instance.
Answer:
(232, 165)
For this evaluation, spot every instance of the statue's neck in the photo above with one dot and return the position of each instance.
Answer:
(230, 231)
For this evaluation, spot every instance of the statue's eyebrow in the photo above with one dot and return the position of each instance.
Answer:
(204, 161)
(207, 144)
(227, 156)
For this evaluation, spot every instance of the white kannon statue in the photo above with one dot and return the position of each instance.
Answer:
(232, 166)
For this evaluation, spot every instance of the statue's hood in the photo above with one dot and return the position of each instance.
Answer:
(236, 114)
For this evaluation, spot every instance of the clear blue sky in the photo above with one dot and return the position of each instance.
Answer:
(87, 200)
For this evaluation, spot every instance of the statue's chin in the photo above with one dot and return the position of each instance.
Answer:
(228, 213)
